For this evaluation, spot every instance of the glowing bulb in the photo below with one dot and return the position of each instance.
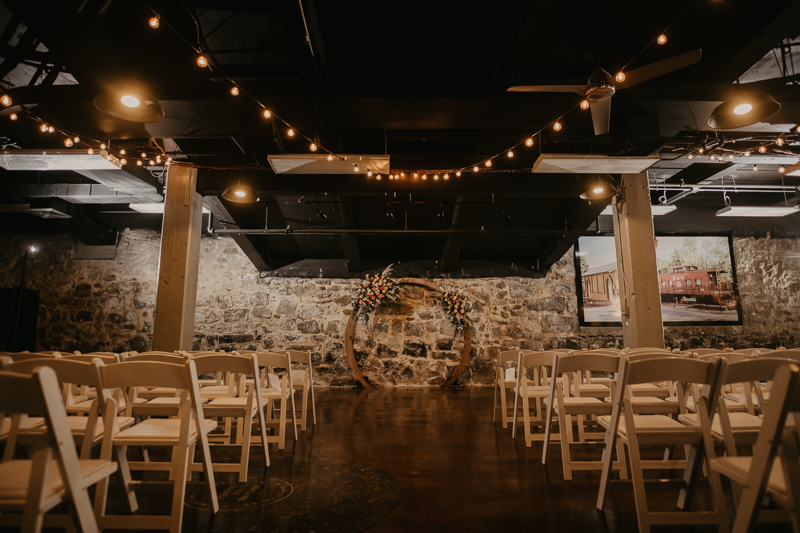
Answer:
(691, 156)
(239, 193)
(129, 101)
(369, 173)
(488, 163)
(797, 129)
(143, 154)
(529, 141)
(313, 147)
(458, 174)
(202, 61)
(50, 129)
(742, 109)
(235, 91)
(122, 152)
(662, 39)
(90, 151)
(446, 176)
(356, 168)
(378, 177)
(755, 168)
(510, 153)
(330, 157)
(158, 159)
(123, 161)
(151, 162)
(402, 174)
(68, 142)
(5, 100)
(290, 133)
(701, 150)
(747, 154)
(620, 77)
(779, 141)
(154, 22)
(730, 156)
(584, 104)
(424, 176)
(76, 139)
(108, 157)
(475, 169)
(436, 176)
(597, 190)
(138, 162)
(781, 170)
(557, 126)
(762, 149)
(43, 128)
(416, 175)
(267, 113)
(13, 116)
(103, 146)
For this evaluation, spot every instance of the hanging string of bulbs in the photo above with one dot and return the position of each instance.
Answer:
(719, 153)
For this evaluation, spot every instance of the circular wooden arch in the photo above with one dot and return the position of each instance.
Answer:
(351, 329)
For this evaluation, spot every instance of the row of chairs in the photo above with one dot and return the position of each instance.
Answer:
(147, 400)
(654, 392)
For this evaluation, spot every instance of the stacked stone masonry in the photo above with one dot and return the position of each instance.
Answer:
(109, 304)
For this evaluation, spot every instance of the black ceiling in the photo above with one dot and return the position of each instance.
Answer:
(424, 82)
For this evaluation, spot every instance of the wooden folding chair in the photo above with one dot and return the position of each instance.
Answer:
(277, 390)
(244, 407)
(187, 427)
(505, 379)
(527, 390)
(774, 469)
(303, 381)
(55, 473)
(565, 400)
(663, 431)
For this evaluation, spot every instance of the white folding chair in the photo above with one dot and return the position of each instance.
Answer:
(303, 381)
(277, 390)
(535, 390)
(505, 379)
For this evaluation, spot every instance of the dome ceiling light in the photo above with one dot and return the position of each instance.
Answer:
(129, 103)
(743, 110)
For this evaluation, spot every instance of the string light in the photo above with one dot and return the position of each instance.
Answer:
(529, 141)
(402, 174)
(290, 133)
(154, 22)
(158, 159)
(90, 151)
(50, 129)
(76, 139)
(103, 146)
(67, 142)
(138, 162)
(123, 161)
(755, 168)
(701, 150)
(475, 168)
(5, 100)
(488, 163)
(267, 113)
(416, 175)
(557, 126)
(747, 154)
(730, 156)
(762, 149)
(313, 147)
(662, 39)
(446, 176)
(43, 128)
(424, 177)
(781, 169)
(779, 141)
(369, 173)
(202, 61)
(122, 152)
(620, 77)
(330, 157)
(356, 168)
(691, 156)
(235, 91)
(378, 177)
(436, 176)
(510, 153)
(144, 154)
(797, 129)
(584, 104)
(151, 162)
(458, 174)
(13, 116)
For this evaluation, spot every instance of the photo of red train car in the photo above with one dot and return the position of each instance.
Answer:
(688, 284)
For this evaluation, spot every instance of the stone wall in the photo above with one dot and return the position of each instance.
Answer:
(108, 305)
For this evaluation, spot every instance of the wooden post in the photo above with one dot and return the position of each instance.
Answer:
(640, 300)
(173, 327)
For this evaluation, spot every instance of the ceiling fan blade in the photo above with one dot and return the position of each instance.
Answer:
(580, 89)
(601, 115)
(659, 68)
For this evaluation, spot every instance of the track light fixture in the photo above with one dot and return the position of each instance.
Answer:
(598, 190)
(240, 194)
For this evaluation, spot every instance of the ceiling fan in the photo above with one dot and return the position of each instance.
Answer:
(602, 85)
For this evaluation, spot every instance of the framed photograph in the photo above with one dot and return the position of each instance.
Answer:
(696, 279)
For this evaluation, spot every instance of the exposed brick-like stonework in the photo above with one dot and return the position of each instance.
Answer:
(108, 305)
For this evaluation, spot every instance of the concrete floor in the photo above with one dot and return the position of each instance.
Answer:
(393, 460)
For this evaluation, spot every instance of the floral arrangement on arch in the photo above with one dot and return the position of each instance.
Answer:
(379, 289)
(456, 306)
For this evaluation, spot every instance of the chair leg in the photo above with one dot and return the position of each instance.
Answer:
(526, 416)
(504, 405)
(294, 412)
(208, 469)
(623, 463)
(313, 402)
(494, 412)
(180, 460)
(247, 429)
(40, 475)
(637, 475)
(262, 424)
(304, 408)
(282, 426)
(565, 421)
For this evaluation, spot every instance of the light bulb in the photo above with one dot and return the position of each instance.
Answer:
(290, 133)
(378, 177)
(43, 128)
(662, 39)
(123, 161)
(747, 154)
(267, 114)
(446, 176)
(369, 173)
(330, 157)
(762, 149)
(742, 109)
(488, 163)
(5, 100)
(510, 153)
(76, 139)
(424, 176)
(584, 104)
(151, 162)
(122, 152)
(701, 150)
(436, 176)
(138, 162)
(90, 151)
(50, 129)
(620, 77)
(416, 175)
(129, 101)
(730, 156)
(597, 190)
(144, 154)
(781, 170)
(158, 159)
(475, 168)
(691, 156)
(529, 141)
(68, 142)
(557, 126)
(13, 116)
(779, 141)
(103, 146)
(458, 174)
(755, 168)
(402, 174)
(202, 61)
(240, 193)
(797, 129)
(313, 147)
(154, 22)
(356, 168)
(235, 91)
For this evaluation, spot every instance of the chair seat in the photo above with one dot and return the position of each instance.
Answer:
(739, 422)
(594, 390)
(536, 391)
(159, 432)
(32, 423)
(738, 468)
(157, 392)
(15, 476)
(219, 404)
(648, 423)
(584, 406)
(649, 389)
(272, 394)
(78, 425)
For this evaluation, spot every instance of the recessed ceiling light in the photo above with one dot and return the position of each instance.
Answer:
(130, 101)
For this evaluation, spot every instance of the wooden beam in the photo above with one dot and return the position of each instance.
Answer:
(173, 327)
(223, 217)
(637, 269)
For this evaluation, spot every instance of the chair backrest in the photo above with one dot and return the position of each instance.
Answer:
(156, 357)
(671, 369)
(782, 354)
(298, 356)
(635, 351)
(730, 357)
(25, 356)
(705, 351)
(89, 357)
(749, 370)
(642, 356)
(599, 351)
(583, 361)
(227, 363)
(274, 359)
